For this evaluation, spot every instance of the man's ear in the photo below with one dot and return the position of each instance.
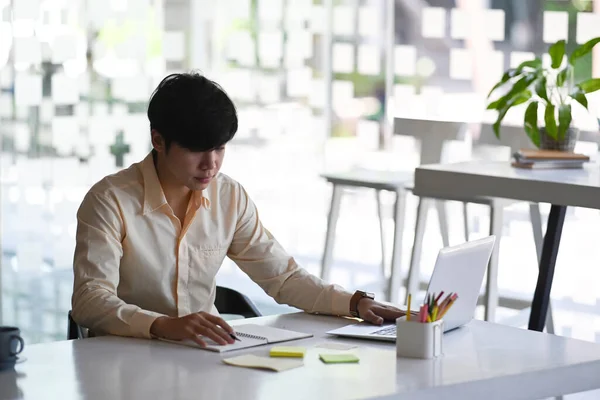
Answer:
(158, 142)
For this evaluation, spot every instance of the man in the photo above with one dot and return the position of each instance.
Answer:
(151, 238)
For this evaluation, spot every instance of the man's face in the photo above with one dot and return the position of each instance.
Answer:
(193, 169)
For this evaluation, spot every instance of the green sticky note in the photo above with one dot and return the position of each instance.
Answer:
(338, 358)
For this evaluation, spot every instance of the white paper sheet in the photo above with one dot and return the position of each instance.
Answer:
(461, 64)
(270, 47)
(98, 13)
(343, 20)
(174, 46)
(65, 134)
(317, 19)
(27, 50)
(64, 90)
(369, 23)
(238, 8)
(459, 24)
(241, 47)
(405, 60)
(556, 26)
(343, 57)
(300, 42)
(433, 22)
(494, 24)
(369, 60)
(26, 9)
(270, 10)
(298, 82)
(131, 89)
(588, 26)
(268, 89)
(274, 364)
(297, 12)
(64, 47)
(28, 89)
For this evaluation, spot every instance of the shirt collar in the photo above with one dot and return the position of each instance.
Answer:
(154, 197)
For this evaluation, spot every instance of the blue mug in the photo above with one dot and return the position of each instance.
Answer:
(11, 344)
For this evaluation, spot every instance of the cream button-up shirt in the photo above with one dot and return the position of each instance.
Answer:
(135, 261)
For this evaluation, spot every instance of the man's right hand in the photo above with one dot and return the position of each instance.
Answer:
(193, 326)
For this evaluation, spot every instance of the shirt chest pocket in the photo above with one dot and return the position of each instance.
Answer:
(205, 263)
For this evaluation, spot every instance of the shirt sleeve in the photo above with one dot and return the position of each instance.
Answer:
(98, 253)
(263, 259)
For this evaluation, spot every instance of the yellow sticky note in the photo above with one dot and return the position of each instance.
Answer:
(338, 358)
(287, 351)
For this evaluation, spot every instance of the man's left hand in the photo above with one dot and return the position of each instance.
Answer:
(375, 313)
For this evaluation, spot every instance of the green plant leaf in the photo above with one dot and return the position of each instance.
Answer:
(550, 121)
(531, 123)
(564, 120)
(561, 78)
(540, 88)
(494, 105)
(557, 52)
(505, 78)
(521, 98)
(591, 85)
(578, 95)
(516, 100)
(520, 87)
(583, 49)
(536, 63)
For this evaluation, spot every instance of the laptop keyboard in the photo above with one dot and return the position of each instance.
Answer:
(387, 331)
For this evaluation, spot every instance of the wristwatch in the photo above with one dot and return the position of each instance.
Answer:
(356, 298)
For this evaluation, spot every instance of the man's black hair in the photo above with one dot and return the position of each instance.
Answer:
(192, 111)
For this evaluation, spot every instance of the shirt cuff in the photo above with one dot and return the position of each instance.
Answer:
(341, 303)
(142, 321)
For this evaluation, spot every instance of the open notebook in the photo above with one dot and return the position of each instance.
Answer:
(250, 336)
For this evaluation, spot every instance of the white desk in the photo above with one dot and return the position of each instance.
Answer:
(482, 359)
(561, 188)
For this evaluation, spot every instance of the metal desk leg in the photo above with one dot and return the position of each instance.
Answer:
(334, 212)
(541, 298)
(395, 280)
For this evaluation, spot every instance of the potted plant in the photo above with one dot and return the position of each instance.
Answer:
(552, 88)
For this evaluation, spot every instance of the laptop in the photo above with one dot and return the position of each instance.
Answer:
(459, 269)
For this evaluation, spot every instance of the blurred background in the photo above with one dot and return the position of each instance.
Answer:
(316, 84)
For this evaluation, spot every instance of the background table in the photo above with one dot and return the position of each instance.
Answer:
(500, 361)
(559, 187)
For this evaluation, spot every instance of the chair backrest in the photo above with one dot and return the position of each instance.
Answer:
(432, 135)
(227, 301)
(513, 137)
(74, 331)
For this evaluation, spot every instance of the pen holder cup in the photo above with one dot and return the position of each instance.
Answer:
(419, 340)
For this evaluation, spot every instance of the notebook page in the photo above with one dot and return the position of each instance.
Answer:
(250, 335)
(243, 343)
(273, 335)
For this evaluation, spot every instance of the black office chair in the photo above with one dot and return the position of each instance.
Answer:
(74, 331)
(227, 301)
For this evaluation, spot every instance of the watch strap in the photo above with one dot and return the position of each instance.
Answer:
(356, 298)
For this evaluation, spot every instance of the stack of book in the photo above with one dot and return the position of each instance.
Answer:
(548, 159)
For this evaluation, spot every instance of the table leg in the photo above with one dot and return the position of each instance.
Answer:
(541, 298)
(395, 280)
(334, 212)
